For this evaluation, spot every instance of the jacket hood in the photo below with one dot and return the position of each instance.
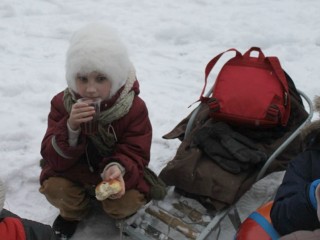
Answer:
(311, 133)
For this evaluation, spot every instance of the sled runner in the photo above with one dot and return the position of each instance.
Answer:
(180, 217)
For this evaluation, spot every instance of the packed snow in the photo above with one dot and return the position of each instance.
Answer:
(170, 43)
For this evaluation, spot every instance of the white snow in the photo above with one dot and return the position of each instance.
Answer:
(170, 43)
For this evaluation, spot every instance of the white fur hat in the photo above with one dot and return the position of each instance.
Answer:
(2, 194)
(97, 47)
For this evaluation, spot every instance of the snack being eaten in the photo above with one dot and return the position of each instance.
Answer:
(107, 188)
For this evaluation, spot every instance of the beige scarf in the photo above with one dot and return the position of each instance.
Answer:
(105, 139)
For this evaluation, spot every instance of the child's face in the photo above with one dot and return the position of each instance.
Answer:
(93, 85)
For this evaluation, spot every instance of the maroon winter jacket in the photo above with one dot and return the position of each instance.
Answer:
(132, 150)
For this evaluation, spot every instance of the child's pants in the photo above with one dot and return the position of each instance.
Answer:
(73, 200)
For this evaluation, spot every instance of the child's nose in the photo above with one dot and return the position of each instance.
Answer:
(91, 87)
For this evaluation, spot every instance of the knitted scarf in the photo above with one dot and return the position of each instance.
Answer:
(105, 139)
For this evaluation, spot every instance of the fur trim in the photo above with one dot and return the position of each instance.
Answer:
(317, 104)
(97, 47)
(315, 125)
(2, 194)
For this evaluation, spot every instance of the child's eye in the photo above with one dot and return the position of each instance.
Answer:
(82, 78)
(101, 78)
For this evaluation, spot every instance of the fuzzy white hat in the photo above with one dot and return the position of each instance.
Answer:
(2, 194)
(97, 47)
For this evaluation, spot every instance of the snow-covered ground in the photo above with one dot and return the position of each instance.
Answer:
(170, 43)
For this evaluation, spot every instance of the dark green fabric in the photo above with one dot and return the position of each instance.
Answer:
(241, 147)
(158, 188)
(229, 149)
(217, 152)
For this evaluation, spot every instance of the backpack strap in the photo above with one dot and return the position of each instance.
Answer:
(275, 64)
(277, 69)
(210, 66)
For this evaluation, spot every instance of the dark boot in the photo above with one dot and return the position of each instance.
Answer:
(64, 229)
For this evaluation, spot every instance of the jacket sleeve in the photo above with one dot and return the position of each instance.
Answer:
(132, 150)
(11, 226)
(55, 148)
(292, 209)
(38, 231)
(19, 228)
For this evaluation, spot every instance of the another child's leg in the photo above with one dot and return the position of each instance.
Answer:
(125, 206)
(68, 197)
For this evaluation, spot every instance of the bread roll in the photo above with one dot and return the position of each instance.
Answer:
(107, 188)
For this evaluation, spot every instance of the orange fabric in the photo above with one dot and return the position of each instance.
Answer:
(251, 230)
(12, 229)
(265, 209)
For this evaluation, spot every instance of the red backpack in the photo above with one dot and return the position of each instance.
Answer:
(251, 91)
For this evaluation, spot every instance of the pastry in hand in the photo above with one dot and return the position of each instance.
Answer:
(107, 188)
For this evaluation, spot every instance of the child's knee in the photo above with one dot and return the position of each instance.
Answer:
(127, 205)
(54, 186)
(67, 196)
(62, 191)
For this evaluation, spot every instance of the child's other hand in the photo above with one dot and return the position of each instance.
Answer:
(80, 113)
(114, 172)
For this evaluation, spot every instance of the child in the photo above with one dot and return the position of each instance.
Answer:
(97, 65)
(15, 228)
(297, 202)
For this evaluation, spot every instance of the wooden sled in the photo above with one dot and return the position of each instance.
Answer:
(177, 217)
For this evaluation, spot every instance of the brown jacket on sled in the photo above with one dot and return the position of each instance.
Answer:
(199, 176)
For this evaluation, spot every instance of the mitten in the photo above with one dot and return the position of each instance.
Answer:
(215, 151)
(239, 146)
(222, 129)
(229, 165)
(241, 152)
(314, 196)
(158, 189)
(210, 145)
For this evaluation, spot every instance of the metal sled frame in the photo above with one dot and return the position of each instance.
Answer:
(231, 211)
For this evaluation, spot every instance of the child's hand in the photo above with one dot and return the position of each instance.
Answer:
(114, 172)
(80, 113)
